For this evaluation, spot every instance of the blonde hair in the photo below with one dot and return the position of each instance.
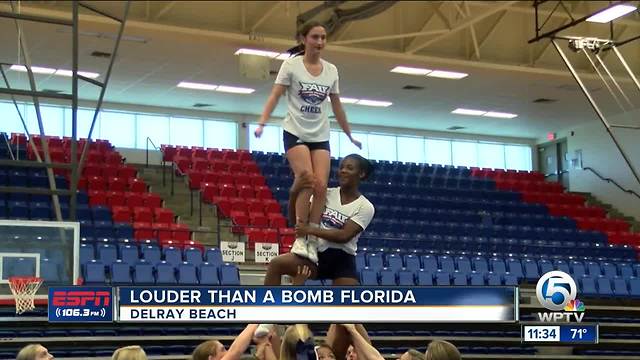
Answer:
(205, 349)
(134, 352)
(28, 352)
(290, 339)
(415, 354)
(442, 350)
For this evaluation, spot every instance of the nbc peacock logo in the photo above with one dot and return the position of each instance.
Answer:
(574, 306)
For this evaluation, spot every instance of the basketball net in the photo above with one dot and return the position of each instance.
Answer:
(24, 290)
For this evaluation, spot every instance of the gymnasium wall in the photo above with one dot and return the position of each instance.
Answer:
(600, 153)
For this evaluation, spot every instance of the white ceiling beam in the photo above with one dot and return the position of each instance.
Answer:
(165, 9)
(243, 16)
(283, 43)
(472, 29)
(463, 25)
(389, 37)
(342, 31)
(543, 13)
(494, 26)
(266, 16)
(435, 10)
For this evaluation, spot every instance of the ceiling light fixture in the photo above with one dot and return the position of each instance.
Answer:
(265, 53)
(447, 74)
(375, 103)
(211, 87)
(235, 90)
(51, 71)
(197, 86)
(472, 112)
(410, 70)
(501, 115)
(611, 13)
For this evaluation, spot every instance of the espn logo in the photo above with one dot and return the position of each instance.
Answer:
(81, 298)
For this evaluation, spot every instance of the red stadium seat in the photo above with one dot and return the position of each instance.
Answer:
(92, 170)
(235, 167)
(152, 200)
(162, 215)
(242, 179)
(199, 153)
(209, 191)
(127, 172)
(219, 165)
(227, 190)
(250, 167)
(162, 231)
(263, 192)
(258, 219)
(181, 232)
(214, 154)
(225, 178)
(195, 179)
(255, 205)
(142, 214)
(257, 180)
(277, 220)
(240, 220)
(223, 204)
(210, 177)
(116, 198)
(272, 206)
(137, 185)
(121, 214)
(97, 198)
(109, 171)
(270, 236)
(117, 184)
(246, 191)
(230, 155)
(142, 230)
(200, 164)
(239, 204)
(96, 183)
(134, 199)
(168, 152)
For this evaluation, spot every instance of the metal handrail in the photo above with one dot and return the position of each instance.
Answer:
(147, 149)
(6, 140)
(610, 180)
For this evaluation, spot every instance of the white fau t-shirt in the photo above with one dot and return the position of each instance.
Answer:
(335, 215)
(307, 95)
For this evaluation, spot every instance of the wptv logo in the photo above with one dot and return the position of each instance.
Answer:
(557, 291)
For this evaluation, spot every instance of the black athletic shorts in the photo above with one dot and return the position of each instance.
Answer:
(291, 140)
(335, 263)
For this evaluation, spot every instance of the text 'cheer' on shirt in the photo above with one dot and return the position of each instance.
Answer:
(336, 214)
(307, 95)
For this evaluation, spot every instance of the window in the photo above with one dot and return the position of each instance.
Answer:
(270, 141)
(85, 116)
(383, 147)
(186, 132)
(154, 127)
(518, 157)
(464, 153)
(119, 128)
(438, 151)
(411, 149)
(347, 147)
(491, 156)
(220, 134)
(52, 120)
(10, 119)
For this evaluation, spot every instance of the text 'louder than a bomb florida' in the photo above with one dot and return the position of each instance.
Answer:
(557, 291)
(292, 304)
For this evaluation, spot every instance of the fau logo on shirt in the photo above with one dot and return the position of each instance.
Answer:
(313, 94)
(333, 219)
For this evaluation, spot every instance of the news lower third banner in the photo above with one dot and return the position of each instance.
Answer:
(317, 304)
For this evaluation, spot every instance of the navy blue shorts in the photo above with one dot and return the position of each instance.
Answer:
(335, 263)
(291, 140)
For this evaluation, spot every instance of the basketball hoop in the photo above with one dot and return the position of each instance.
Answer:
(24, 290)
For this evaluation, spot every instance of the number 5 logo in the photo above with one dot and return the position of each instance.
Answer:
(555, 290)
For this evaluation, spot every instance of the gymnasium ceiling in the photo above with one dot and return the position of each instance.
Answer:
(171, 41)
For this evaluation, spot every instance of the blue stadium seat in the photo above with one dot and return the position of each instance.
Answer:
(18, 210)
(313, 282)
(593, 269)
(609, 270)
(229, 274)
(620, 287)
(429, 263)
(213, 256)
(193, 256)
(562, 266)
(374, 261)
(100, 213)
(143, 273)
(394, 261)
(151, 253)
(107, 253)
(49, 270)
(588, 286)
(121, 273)
(497, 265)
(625, 270)
(172, 255)
(577, 269)
(209, 274)
(18, 266)
(387, 276)
(494, 279)
(476, 279)
(510, 279)
(460, 278)
(406, 277)
(604, 286)
(165, 274)
(446, 264)
(187, 274)
(103, 229)
(368, 276)
(86, 253)
(40, 210)
(634, 287)
(412, 262)
(480, 265)
(360, 261)
(94, 272)
(531, 271)
(463, 264)
(514, 267)
(443, 278)
(129, 254)
(425, 278)
(123, 230)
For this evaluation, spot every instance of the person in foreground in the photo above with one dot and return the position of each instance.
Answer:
(134, 352)
(309, 83)
(346, 214)
(214, 350)
(34, 352)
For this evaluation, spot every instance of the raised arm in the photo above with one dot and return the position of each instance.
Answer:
(240, 344)
(361, 345)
